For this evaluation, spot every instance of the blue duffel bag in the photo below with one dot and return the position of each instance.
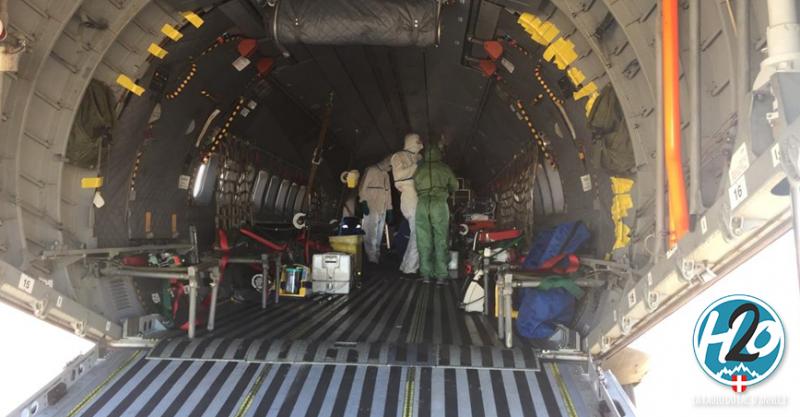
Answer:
(541, 310)
(564, 239)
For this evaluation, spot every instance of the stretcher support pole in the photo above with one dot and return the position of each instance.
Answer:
(212, 310)
(264, 272)
(192, 301)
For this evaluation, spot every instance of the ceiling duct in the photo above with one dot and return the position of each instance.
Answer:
(354, 22)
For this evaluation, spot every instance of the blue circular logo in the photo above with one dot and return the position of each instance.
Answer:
(738, 341)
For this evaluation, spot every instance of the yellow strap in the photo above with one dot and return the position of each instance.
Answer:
(621, 185)
(590, 103)
(171, 32)
(622, 235)
(576, 75)
(562, 52)
(586, 91)
(92, 182)
(157, 51)
(193, 18)
(542, 32)
(129, 85)
(620, 204)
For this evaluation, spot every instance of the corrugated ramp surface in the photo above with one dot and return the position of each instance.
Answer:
(325, 352)
(222, 388)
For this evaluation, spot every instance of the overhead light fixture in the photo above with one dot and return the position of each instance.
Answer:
(205, 181)
(199, 179)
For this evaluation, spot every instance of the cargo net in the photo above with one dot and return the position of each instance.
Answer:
(324, 204)
(234, 187)
(514, 194)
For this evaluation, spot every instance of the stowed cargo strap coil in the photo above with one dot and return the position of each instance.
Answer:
(354, 22)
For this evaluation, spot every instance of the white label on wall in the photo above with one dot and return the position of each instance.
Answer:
(631, 298)
(59, 301)
(508, 65)
(183, 182)
(26, 283)
(740, 161)
(586, 182)
(737, 192)
(108, 326)
(776, 154)
(649, 279)
(703, 225)
(241, 63)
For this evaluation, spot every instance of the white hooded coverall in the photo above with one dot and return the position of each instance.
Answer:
(376, 190)
(404, 165)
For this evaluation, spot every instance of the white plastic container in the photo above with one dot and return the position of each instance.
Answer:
(331, 273)
(453, 264)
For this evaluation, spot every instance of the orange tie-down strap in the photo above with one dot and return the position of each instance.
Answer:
(557, 265)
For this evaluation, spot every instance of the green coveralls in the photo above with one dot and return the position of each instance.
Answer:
(434, 182)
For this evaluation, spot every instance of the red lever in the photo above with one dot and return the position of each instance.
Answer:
(487, 67)
(494, 49)
(264, 66)
(246, 47)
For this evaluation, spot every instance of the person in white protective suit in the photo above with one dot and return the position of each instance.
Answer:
(404, 165)
(375, 196)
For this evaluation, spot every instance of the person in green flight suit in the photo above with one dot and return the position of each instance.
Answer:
(434, 182)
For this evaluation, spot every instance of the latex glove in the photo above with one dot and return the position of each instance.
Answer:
(389, 216)
(364, 208)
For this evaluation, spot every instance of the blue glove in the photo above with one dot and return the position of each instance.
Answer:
(390, 216)
(364, 208)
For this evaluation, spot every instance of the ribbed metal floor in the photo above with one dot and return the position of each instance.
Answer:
(393, 348)
(385, 310)
(388, 322)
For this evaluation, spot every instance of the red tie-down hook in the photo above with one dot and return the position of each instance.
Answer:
(248, 48)
(494, 50)
(264, 66)
(487, 67)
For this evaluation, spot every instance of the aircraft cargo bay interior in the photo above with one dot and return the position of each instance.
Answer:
(412, 207)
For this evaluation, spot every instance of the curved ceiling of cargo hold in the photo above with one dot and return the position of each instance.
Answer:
(557, 58)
